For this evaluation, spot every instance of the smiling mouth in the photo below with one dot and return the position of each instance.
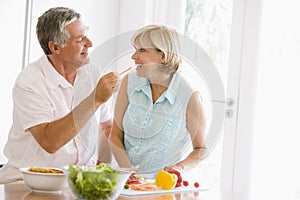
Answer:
(139, 66)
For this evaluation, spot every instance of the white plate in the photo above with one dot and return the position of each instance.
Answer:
(26, 170)
(130, 192)
(147, 176)
(47, 192)
(44, 182)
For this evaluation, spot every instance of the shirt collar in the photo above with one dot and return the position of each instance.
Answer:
(53, 78)
(143, 85)
(171, 92)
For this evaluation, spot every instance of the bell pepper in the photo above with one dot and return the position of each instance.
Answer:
(165, 180)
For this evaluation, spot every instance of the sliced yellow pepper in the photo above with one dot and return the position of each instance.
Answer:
(165, 180)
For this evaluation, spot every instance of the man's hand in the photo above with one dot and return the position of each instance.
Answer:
(107, 85)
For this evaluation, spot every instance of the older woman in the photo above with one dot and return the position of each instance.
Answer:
(159, 119)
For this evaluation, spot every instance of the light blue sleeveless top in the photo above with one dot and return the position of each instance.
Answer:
(156, 135)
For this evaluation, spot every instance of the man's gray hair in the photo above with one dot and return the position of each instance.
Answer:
(51, 26)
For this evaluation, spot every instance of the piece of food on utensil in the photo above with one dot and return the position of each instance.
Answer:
(165, 180)
(126, 70)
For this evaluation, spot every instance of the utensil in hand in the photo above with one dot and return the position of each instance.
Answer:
(126, 70)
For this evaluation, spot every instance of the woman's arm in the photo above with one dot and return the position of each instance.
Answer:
(196, 122)
(117, 134)
(104, 151)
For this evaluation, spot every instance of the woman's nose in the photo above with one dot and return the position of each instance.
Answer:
(134, 55)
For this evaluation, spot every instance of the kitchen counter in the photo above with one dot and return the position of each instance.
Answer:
(19, 191)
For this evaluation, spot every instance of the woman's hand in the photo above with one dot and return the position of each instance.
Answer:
(176, 167)
(172, 170)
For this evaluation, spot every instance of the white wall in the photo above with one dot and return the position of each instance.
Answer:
(170, 12)
(11, 34)
(276, 142)
(101, 16)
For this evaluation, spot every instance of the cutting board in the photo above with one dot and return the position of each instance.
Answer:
(130, 192)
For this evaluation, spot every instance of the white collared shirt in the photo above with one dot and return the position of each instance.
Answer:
(42, 95)
(156, 134)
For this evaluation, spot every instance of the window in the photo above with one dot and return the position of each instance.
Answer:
(208, 24)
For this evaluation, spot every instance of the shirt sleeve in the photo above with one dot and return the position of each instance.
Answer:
(106, 111)
(31, 106)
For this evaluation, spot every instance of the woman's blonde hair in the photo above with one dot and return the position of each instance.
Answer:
(163, 39)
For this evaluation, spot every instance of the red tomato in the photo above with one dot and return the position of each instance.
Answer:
(185, 183)
(196, 184)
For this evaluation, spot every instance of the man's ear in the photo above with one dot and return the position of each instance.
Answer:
(53, 47)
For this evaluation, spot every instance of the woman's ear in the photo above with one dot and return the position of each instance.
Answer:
(162, 57)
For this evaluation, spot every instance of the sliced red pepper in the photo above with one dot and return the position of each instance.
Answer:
(179, 178)
(132, 181)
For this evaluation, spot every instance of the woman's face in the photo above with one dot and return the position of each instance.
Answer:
(147, 60)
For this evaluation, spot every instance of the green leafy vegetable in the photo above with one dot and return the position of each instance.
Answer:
(93, 182)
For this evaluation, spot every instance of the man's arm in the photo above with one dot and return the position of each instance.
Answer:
(53, 135)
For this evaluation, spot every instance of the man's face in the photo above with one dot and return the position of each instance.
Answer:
(75, 52)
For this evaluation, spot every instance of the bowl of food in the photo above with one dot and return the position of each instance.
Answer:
(97, 182)
(44, 179)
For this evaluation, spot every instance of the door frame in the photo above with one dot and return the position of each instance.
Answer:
(236, 167)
